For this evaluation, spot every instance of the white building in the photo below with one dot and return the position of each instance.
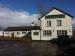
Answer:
(20, 31)
(16, 31)
(54, 23)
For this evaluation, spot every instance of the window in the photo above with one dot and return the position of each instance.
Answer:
(59, 23)
(18, 33)
(23, 32)
(48, 23)
(65, 32)
(7, 33)
(35, 33)
(55, 16)
(47, 33)
(61, 32)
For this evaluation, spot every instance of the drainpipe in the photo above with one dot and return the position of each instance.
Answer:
(40, 30)
(40, 35)
(3, 33)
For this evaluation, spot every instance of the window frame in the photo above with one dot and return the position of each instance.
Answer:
(23, 32)
(59, 22)
(61, 32)
(47, 33)
(49, 23)
(18, 33)
(35, 32)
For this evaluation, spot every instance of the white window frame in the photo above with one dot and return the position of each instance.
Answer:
(49, 23)
(47, 33)
(59, 22)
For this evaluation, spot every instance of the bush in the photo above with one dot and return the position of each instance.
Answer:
(54, 40)
(63, 40)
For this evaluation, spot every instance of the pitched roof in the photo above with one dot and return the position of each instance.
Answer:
(56, 9)
(27, 28)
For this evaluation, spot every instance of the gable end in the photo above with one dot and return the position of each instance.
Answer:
(58, 10)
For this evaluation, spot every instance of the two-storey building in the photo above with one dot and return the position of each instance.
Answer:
(52, 24)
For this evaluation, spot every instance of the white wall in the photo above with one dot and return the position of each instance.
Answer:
(15, 33)
(35, 37)
(8, 33)
(20, 33)
(1, 33)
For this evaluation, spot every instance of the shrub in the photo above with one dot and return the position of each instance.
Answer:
(63, 40)
(54, 40)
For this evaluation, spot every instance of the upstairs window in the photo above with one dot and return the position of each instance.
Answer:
(59, 23)
(48, 23)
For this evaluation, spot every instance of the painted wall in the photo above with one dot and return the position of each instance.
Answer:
(16, 33)
(1, 33)
(8, 33)
(20, 34)
(35, 37)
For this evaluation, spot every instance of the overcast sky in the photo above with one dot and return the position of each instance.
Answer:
(23, 12)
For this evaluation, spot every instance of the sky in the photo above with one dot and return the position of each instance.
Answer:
(24, 12)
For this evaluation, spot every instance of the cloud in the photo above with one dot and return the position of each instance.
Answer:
(9, 17)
